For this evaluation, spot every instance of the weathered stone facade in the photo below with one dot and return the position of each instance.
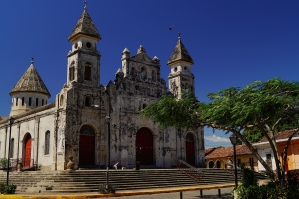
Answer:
(74, 125)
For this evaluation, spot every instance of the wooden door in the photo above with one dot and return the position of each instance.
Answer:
(296, 155)
(190, 150)
(144, 147)
(87, 150)
(87, 146)
(27, 151)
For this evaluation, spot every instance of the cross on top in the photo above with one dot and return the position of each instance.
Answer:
(179, 35)
(32, 60)
(85, 3)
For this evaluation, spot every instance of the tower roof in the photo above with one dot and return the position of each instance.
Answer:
(180, 53)
(30, 82)
(85, 26)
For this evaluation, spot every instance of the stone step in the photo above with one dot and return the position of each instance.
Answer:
(89, 180)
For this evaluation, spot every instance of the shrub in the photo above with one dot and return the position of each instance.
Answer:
(248, 177)
(3, 162)
(107, 188)
(270, 191)
(7, 189)
(293, 177)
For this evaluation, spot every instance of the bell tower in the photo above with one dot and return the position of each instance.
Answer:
(180, 77)
(84, 59)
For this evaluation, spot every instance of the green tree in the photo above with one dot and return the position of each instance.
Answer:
(265, 107)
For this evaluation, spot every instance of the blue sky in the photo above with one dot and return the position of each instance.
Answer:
(231, 42)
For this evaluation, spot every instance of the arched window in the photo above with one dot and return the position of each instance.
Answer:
(133, 71)
(61, 100)
(87, 130)
(187, 86)
(23, 101)
(36, 102)
(29, 101)
(42, 102)
(12, 143)
(72, 71)
(143, 73)
(88, 101)
(47, 143)
(186, 69)
(189, 137)
(17, 99)
(154, 77)
(87, 72)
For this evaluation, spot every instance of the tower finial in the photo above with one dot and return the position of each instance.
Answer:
(179, 35)
(32, 60)
(85, 3)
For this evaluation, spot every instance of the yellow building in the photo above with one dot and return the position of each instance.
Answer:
(222, 157)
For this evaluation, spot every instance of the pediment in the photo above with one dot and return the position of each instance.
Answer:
(142, 57)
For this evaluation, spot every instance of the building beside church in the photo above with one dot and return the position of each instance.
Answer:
(47, 134)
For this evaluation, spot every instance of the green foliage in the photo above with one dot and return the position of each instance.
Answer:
(3, 162)
(232, 108)
(270, 191)
(253, 135)
(107, 188)
(259, 101)
(248, 177)
(7, 189)
(169, 111)
(293, 177)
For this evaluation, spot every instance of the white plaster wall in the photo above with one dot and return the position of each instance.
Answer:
(35, 125)
(263, 152)
(3, 153)
(180, 67)
(46, 124)
(18, 109)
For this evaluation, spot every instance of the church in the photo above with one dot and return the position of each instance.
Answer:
(92, 124)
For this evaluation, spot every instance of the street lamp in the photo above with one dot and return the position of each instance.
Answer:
(108, 120)
(10, 122)
(233, 139)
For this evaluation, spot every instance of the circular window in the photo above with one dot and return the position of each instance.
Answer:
(88, 45)
(76, 45)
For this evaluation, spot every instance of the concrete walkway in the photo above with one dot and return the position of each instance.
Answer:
(121, 193)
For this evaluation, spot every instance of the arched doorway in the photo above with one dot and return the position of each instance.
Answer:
(218, 164)
(190, 151)
(144, 146)
(27, 150)
(87, 146)
(211, 164)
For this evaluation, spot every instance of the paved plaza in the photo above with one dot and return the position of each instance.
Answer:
(159, 193)
(207, 194)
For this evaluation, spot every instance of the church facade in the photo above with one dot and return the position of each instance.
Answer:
(86, 118)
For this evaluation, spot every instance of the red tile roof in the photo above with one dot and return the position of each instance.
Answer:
(209, 150)
(229, 151)
(282, 135)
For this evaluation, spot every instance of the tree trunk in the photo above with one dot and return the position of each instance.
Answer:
(253, 150)
(285, 155)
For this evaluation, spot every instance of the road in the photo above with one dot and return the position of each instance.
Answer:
(207, 194)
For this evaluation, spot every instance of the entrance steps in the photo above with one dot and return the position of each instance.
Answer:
(89, 180)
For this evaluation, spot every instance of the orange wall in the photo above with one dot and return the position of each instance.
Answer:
(292, 155)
